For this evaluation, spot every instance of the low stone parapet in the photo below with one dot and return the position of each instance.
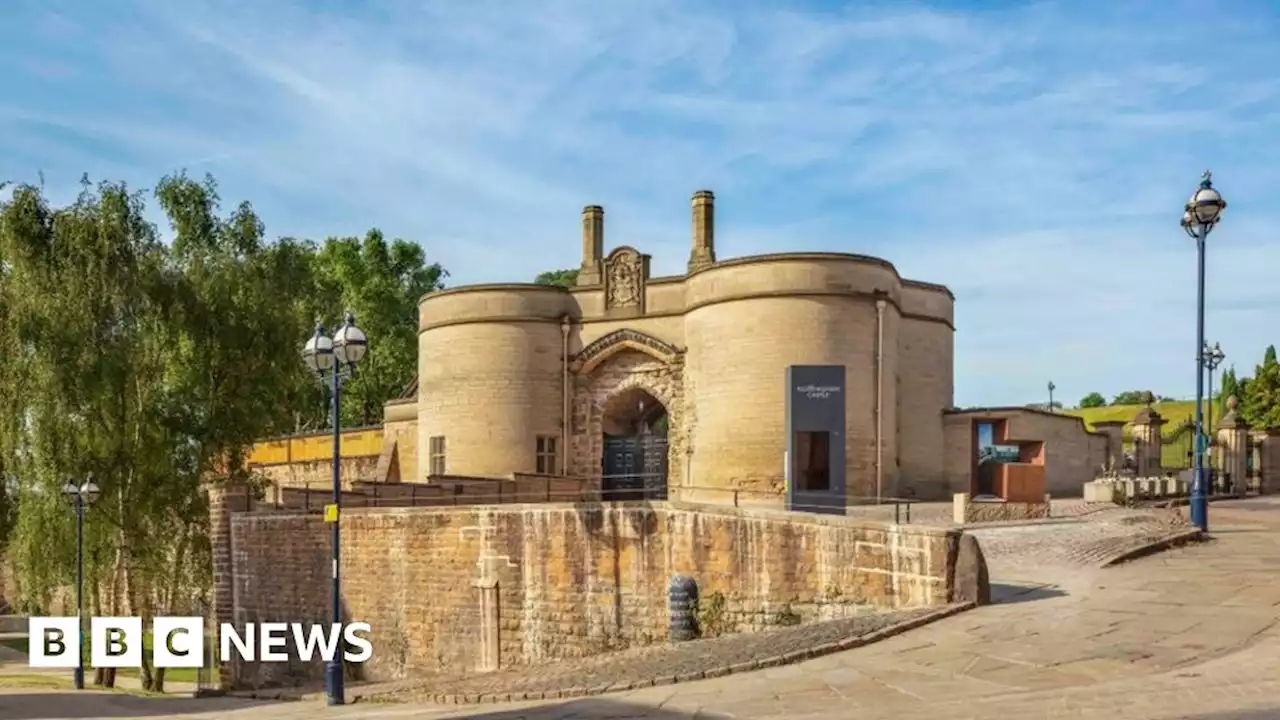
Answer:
(1124, 490)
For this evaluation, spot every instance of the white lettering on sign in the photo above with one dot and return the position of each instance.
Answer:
(818, 392)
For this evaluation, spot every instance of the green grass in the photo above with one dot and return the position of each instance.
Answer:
(15, 643)
(43, 682)
(60, 682)
(1175, 412)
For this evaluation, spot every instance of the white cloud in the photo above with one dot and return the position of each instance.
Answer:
(1033, 159)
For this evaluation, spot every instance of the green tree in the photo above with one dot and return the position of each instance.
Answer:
(154, 368)
(1230, 385)
(563, 278)
(1093, 400)
(1260, 405)
(90, 298)
(381, 283)
(151, 367)
(1130, 397)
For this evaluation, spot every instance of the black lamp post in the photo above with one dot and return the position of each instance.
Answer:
(334, 361)
(1052, 387)
(1213, 357)
(1201, 214)
(81, 497)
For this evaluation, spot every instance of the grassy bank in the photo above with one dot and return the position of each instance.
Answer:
(1174, 413)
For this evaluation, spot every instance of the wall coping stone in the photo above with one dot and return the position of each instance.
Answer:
(785, 516)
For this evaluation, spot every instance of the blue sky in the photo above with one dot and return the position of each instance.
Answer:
(1033, 157)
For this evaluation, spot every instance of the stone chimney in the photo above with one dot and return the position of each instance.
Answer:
(592, 245)
(703, 253)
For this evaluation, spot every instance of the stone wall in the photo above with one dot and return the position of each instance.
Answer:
(1073, 454)
(1269, 456)
(316, 474)
(306, 460)
(473, 589)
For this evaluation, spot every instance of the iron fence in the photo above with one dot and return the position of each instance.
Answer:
(207, 681)
(629, 487)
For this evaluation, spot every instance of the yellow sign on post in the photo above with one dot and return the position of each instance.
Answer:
(331, 513)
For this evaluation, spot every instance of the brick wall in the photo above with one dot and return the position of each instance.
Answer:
(466, 589)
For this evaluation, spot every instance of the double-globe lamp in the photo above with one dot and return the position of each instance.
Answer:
(1200, 215)
(334, 360)
(80, 497)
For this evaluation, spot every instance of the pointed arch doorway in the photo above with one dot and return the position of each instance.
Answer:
(635, 447)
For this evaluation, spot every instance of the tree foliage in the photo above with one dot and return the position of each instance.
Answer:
(563, 278)
(1093, 400)
(381, 283)
(1130, 397)
(152, 367)
(1260, 394)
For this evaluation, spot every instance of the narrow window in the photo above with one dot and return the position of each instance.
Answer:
(436, 456)
(547, 455)
(813, 461)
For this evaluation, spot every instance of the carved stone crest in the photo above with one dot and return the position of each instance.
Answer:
(625, 279)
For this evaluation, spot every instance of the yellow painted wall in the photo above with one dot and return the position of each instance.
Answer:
(366, 442)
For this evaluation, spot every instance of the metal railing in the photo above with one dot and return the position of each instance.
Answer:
(572, 490)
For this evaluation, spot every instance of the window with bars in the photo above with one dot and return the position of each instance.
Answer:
(436, 456)
(548, 458)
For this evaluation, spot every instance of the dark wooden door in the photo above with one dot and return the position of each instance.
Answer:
(635, 468)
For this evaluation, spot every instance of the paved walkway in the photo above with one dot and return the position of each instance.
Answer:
(1190, 633)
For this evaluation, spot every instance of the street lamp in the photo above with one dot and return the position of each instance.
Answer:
(334, 361)
(1213, 357)
(1201, 213)
(1052, 387)
(80, 497)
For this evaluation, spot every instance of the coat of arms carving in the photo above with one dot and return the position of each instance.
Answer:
(625, 278)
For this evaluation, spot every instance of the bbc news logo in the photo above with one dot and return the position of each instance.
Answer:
(179, 642)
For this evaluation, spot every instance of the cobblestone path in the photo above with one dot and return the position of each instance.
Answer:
(1051, 548)
(640, 666)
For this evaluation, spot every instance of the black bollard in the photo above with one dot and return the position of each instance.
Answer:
(682, 603)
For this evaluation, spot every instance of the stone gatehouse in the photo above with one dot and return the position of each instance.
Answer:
(675, 386)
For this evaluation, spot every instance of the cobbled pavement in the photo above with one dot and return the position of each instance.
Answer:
(639, 666)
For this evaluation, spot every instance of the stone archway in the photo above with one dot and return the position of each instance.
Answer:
(611, 376)
(634, 446)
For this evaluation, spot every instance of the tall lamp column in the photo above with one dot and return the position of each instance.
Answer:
(80, 497)
(334, 361)
(1200, 215)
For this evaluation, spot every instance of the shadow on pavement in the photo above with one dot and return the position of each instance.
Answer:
(1003, 593)
(1268, 714)
(593, 708)
(35, 705)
